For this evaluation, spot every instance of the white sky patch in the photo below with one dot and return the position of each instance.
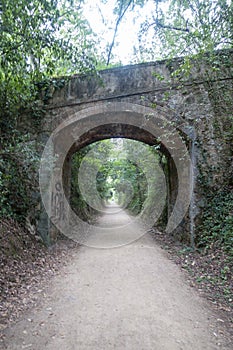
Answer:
(102, 22)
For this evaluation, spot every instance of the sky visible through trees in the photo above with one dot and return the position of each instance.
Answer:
(135, 31)
(102, 21)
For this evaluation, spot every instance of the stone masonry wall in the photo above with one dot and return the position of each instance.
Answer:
(198, 102)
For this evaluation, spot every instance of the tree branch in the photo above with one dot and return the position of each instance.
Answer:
(121, 15)
(159, 24)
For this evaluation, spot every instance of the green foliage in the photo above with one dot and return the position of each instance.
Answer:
(123, 175)
(77, 202)
(187, 27)
(217, 221)
(94, 155)
(18, 168)
(39, 40)
(126, 179)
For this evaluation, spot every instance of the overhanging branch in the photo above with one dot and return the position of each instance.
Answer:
(121, 15)
(161, 25)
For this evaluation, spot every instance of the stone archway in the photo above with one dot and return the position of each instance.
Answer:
(115, 119)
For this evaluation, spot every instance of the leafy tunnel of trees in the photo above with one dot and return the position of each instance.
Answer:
(120, 179)
(44, 39)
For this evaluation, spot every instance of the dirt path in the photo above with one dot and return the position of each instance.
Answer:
(132, 298)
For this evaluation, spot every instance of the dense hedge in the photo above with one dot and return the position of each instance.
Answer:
(217, 221)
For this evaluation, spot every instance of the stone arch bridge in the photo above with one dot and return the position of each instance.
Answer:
(156, 103)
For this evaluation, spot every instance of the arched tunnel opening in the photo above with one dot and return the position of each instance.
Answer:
(121, 172)
(133, 166)
(156, 136)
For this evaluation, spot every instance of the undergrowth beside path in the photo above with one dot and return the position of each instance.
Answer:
(208, 271)
(26, 268)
